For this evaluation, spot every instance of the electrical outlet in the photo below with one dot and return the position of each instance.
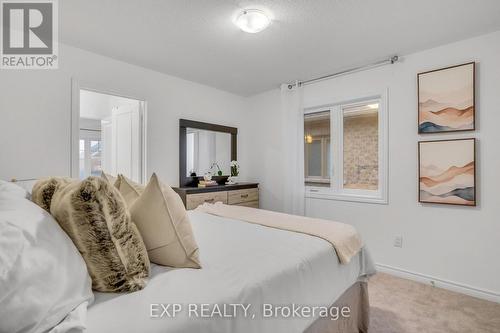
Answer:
(398, 241)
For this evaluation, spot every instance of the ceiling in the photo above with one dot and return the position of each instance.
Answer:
(196, 39)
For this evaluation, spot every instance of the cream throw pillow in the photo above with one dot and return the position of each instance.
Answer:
(164, 225)
(111, 179)
(129, 190)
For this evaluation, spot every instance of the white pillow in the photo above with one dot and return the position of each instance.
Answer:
(42, 275)
(11, 189)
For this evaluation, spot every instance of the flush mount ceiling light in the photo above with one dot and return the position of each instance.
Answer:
(252, 20)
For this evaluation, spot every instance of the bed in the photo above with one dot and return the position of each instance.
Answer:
(252, 279)
(265, 270)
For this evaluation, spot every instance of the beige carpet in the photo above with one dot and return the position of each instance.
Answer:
(403, 306)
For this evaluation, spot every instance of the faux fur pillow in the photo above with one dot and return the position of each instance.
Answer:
(94, 215)
(44, 190)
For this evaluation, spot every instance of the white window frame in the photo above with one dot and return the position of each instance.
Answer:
(336, 190)
(324, 169)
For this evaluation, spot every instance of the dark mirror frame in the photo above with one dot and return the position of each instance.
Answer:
(185, 181)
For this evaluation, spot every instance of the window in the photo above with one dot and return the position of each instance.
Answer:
(90, 152)
(95, 157)
(317, 148)
(82, 159)
(345, 151)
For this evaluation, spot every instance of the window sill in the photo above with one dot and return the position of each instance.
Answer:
(318, 193)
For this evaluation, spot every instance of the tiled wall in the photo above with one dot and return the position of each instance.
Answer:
(361, 151)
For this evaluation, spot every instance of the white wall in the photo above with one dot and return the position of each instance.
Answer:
(265, 159)
(95, 105)
(223, 152)
(206, 151)
(35, 111)
(92, 124)
(459, 244)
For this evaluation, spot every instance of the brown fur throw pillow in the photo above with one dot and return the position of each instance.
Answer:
(44, 190)
(94, 215)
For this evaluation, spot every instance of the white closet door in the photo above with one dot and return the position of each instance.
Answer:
(108, 164)
(123, 143)
(126, 146)
(135, 146)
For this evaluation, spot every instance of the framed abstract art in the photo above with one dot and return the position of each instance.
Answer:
(446, 99)
(447, 172)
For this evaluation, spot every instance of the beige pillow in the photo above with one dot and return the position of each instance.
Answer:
(164, 225)
(129, 189)
(94, 215)
(44, 190)
(111, 179)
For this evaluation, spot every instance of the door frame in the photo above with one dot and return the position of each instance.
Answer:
(76, 86)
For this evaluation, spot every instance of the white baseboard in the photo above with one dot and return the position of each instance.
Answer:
(440, 283)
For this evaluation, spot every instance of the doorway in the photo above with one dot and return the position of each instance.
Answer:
(109, 135)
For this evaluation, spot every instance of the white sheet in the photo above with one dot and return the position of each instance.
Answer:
(242, 263)
(42, 275)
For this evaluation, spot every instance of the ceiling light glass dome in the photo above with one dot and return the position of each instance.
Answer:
(252, 20)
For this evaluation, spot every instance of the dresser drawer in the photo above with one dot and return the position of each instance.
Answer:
(253, 204)
(194, 200)
(241, 196)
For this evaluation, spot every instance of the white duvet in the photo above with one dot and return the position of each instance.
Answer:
(244, 265)
(43, 279)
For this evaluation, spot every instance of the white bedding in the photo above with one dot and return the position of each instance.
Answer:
(42, 275)
(242, 263)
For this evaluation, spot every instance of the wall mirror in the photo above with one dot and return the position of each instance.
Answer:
(205, 148)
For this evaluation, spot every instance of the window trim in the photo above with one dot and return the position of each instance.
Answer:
(324, 169)
(336, 190)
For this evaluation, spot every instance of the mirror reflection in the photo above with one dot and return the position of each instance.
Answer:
(207, 151)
